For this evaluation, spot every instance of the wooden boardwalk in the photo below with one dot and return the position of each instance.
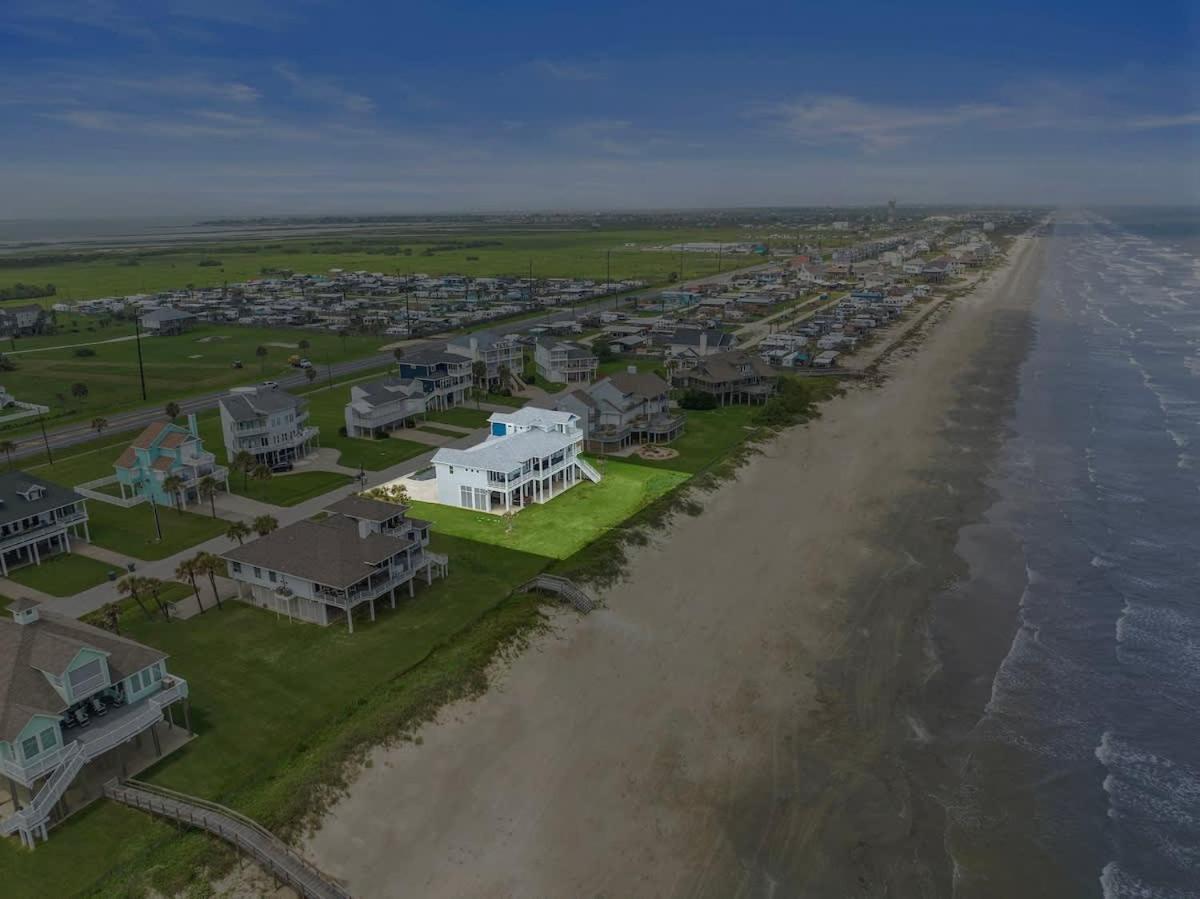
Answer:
(271, 853)
(563, 588)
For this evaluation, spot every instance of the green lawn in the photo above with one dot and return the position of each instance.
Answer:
(131, 531)
(289, 489)
(709, 436)
(63, 575)
(621, 363)
(567, 523)
(262, 743)
(499, 399)
(327, 411)
(463, 416)
(441, 432)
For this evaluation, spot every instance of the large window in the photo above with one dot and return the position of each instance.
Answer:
(29, 748)
(86, 678)
(48, 738)
(465, 496)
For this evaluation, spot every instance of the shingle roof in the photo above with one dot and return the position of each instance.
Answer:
(51, 642)
(328, 552)
(366, 508)
(431, 357)
(250, 405)
(146, 439)
(13, 505)
(127, 458)
(640, 383)
(505, 453)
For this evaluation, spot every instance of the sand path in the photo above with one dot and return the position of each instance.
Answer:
(653, 747)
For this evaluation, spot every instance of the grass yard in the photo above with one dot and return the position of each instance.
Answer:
(289, 489)
(441, 432)
(463, 416)
(131, 531)
(499, 399)
(263, 746)
(326, 410)
(621, 363)
(710, 435)
(62, 575)
(567, 523)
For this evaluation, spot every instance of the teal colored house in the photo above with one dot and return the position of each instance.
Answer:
(75, 702)
(162, 451)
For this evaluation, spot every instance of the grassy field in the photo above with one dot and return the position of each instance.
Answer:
(289, 489)
(569, 522)
(709, 436)
(176, 367)
(557, 254)
(62, 575)
(441, 432)
(621, 363)
(327, 410)
(131, 531)
(263, 745)
(462, 416)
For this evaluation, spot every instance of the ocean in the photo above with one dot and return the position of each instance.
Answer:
(1082, 775)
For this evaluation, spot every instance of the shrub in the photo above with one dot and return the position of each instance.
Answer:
(84, 351)
(697, 400)
(342, 431)
(792, 403)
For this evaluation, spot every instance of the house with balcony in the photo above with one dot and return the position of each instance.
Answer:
(37, 519)
(445, 377)
(624, 409)
(378, 407)
(162, 451)
(322, 571)
(736, 377)
(76, 706)
(564, 361)
(531, 455)
(270, 424)
(166, 322)
(495, 351)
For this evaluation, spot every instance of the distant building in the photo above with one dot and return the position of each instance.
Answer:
(564, 362)
(73, 700)
(37, 518)
(164, 450)
(444, 377)
(622, 409)
(496, 351)
(166, 322)
(270, 424)
(736, 377)
(22, 320)
(321, 571)
(530, 456)
(378, 407)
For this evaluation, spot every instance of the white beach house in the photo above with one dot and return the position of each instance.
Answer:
(530, 456)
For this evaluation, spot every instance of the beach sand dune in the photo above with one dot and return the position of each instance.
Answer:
(724, 725)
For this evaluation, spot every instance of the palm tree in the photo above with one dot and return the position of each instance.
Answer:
(261, 472)
(479, 375)
(132, 585)
(311, 374)
(172, 410)
(154, 586)
(173, 484)
(211, 565)
(264, 524)
(505, 376)
(110, 617)
(242, 461)
(261, 352)
(99, 424)
(79, 390)
(398, 353)
(207, 489)
(238, 531)
(187, 571)
(7, 447)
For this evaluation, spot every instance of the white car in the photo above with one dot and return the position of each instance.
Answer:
(272, 385)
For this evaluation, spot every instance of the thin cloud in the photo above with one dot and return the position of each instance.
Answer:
(873, 126)
(567, 71)
(1182, 120)
(324, 91)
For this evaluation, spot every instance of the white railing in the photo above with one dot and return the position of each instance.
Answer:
(38, 811)
(588, 471)
(42, 531)
(28, 772)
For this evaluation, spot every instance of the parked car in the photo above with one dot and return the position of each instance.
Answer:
(279, 467)
(273, 385)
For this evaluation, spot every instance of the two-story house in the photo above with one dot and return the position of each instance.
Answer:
(72, 698)
(166, 322)
(385, 405)
(323, 570)
(564, 361)
(495, 351)
(22, 320)
(623, 409)
(687, 345)
(736, 377)
(445, 377)
(270, 424)
(37, 518)
(165, 450)
(530, 455)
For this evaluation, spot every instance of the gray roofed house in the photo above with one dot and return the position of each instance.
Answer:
(735, 377)
(37, 518)
(564, 361)
(384, 405)
(270, 424)
(322, 570)
(694, 341)
(492, 349)
(70, 694)
(166, 321)
(623, 409)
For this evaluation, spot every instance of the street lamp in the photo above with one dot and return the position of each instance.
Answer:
(362, 477)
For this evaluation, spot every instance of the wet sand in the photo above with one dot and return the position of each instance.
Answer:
(734, 720)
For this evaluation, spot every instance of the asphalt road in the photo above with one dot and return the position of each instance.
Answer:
(79, 432)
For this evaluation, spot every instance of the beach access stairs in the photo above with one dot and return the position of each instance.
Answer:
(589, 471)
(563, 588)
(271, 853)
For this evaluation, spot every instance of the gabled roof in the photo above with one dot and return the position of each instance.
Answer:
(506, 453)
(249, 405)
(366, 508)
(533, 417)
(15, 484)
(639, 383)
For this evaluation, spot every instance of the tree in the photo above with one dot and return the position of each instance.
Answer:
(212, 566)
(264, 524)
(398, 353)
(238, 531)
(7, 447)
(243, 461)
(154, 586)
(510, 522)
(304, 344)
(132, 585)
(110, 617)
(208, 490)
(479, 377)
(261, 472)
(172, 410)
(187, 571)
(173, 484)
(79, 390)
(261, 353)
(99, 424)
(389, 493)
(505, 377)
(311, 374)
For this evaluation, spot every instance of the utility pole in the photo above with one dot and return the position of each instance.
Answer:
(45, 439)
(137, 330)
(720, 247)
(157, 523)
(530, 280)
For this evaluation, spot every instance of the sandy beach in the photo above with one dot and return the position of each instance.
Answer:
(734, 720)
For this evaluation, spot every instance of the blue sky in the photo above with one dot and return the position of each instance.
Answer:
(111, 108)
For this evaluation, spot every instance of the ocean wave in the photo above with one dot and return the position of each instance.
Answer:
(1117, 883)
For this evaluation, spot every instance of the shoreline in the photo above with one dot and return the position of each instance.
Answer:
(727, 720)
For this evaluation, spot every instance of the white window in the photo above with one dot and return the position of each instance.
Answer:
(29, 748)
(48, 738)
(465, 496)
